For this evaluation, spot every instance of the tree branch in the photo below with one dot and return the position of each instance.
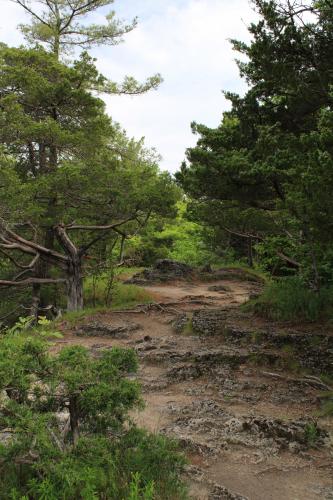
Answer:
(99, 228)
(14, 241)
(31, 12)
(32, 281)
(254, 236)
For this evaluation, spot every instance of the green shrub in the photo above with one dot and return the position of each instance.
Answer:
(311, 433)
(65, 431)
(290, 299)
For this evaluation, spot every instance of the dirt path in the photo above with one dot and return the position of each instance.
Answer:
(236, 403)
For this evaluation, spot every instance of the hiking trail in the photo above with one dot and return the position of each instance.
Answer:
(233, 389)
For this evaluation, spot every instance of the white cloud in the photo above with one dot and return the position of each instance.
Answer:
(186, 41)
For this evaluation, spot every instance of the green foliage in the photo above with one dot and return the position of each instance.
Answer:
(137, 493)
(69, 163)
(63, 26)
(121, 297)
(311, 433)
(288, 299)
(262, 179)
(179, 239)
(62, 426)
(158, 462)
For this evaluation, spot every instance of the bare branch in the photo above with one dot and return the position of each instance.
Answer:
(23, 4)
(99, 228)
(14, 241)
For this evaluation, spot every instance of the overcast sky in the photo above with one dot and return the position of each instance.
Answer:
(184, 40)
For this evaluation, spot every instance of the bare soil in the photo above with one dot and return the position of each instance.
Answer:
(238, 417)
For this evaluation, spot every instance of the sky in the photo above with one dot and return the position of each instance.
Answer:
(187, 41)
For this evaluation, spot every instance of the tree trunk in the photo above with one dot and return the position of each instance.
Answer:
(316, 276)
(122, 249)
(75, 286)
(250, 252)
(35, 301)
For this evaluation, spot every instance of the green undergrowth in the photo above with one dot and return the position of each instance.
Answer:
(126, 296)
(289, 299)
(188, 328)
(125, 273)
(254, 271)
(311, 433)
(242, 272)
(101, 454)
(122, 297)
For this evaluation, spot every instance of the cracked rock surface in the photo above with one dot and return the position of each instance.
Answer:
(241, 395)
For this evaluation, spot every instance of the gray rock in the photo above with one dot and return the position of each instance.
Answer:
(218, 288)
(97, 329)
(163, 270)
(219, 492)
(209, 322)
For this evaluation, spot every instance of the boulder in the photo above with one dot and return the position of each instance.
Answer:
(163, 270)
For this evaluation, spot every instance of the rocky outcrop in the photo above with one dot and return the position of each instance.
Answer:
(219, 492)
(209, 322)
(98, 329)
(205, 424)
(180, 322)
(164, 270)
(311, 351)
(218, 288)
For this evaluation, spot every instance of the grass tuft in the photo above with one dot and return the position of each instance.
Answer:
(122, 297)
(127, 296)
(288, 299)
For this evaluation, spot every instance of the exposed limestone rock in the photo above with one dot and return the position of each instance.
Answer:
(218, 288)
(205, 424)
(180, 322)
(182, 372)
(209, 322)
(216, 491)
(305, 432)
(97, 329)
(219, 492)
(314, 352)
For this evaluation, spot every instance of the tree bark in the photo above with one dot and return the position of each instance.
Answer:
(35, 301)
(250, 252)
(73, 271)
(122, 249)
(75, 286)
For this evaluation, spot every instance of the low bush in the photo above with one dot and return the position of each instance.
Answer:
(289, 299)
(65, 430)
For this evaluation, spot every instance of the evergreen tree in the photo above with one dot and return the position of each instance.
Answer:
(272, 152)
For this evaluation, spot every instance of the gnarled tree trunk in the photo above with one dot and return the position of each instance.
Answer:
(75, 285)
